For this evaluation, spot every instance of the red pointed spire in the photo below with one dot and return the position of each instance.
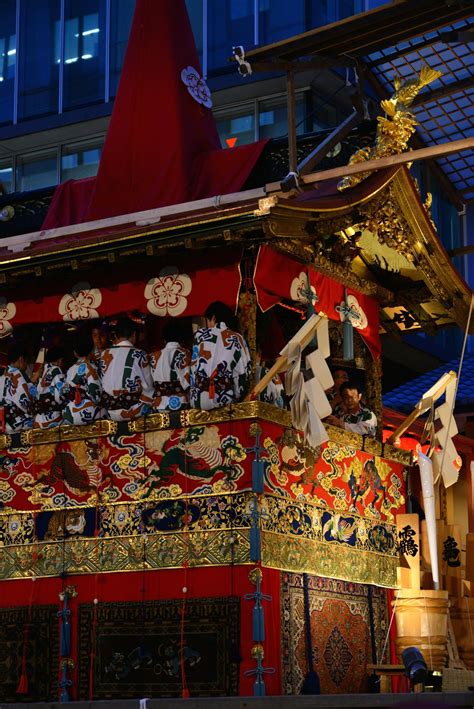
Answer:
(162, 146)
(157, 126)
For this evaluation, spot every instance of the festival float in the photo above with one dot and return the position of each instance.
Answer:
(249, 549)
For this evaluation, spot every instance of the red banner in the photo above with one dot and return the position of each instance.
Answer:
(179, 287)
(278, 276)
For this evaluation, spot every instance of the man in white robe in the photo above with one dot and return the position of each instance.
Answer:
(18, 392)
(126, 378)
(170, 370)
(220, 366)
(50, 391)
(83, 385)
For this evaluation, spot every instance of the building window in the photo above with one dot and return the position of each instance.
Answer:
(196, 17)
(236, 125)
(229, 23)
(6, 176)
(7, 59)
(264, 118)
(273, 116)
(38, 67)
(80, 160)
(36, 170)
(121, 13)
(276, 22)
(84, 53)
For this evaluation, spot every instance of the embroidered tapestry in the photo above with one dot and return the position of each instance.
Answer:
(40, 630)
(86, 503)
(340, 632)
(142, 652)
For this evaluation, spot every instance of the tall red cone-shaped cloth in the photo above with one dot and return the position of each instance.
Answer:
(157, 128)
(162, 146)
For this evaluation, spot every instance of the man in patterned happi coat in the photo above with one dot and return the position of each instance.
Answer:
(220, 366)
(50, 391)
(170, 370)
(18, 392)
(274, 391)
(83, 385)
(352, 415)
(126, 378)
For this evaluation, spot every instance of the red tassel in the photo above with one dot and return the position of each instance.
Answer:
(77, 396)
(23, 683)
(185, 694)
(212, 387)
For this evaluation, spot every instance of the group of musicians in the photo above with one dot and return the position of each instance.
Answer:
(119, 381)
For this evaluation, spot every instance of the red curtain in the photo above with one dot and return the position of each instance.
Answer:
(278, 276)
(168, 584)
(178, 287)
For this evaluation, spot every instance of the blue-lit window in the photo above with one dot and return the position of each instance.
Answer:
(80, 160)
(236, 125)
(195, 13)
(121, 13)
(229, 23)
(273, 114)
(84, 53)
(277, 22)
(6, 176)
(38, 68)
(7, 59)
(36, 170)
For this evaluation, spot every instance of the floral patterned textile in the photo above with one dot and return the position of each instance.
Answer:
(126, 382)
(50, 397)
(220, 367)
(84, 391)
(170, 371)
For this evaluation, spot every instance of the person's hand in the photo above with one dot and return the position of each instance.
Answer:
(334, 421)
(35, 377)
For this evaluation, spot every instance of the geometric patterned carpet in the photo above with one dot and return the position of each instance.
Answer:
(340, 632)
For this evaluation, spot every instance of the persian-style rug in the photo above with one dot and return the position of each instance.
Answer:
(140, 651)
(340, 632)
(42, 652)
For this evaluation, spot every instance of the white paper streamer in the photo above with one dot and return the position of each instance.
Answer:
(427, 489)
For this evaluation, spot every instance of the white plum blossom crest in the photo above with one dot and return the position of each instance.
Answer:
(352, 310)
(7, 313)
(166, 294)
(299, 290)
(196, 86)
(81, 303)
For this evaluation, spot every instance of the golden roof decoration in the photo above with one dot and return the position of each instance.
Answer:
(397, 126)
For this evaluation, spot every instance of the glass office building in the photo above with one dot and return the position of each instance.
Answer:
(60, 63)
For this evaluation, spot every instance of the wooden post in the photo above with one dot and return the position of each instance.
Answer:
(373, 388)
(291, 108)
(247, 316)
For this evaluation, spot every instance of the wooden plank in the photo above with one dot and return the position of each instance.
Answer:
(329, 143)
(434, 151)
(291, 111)
(420, 408)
